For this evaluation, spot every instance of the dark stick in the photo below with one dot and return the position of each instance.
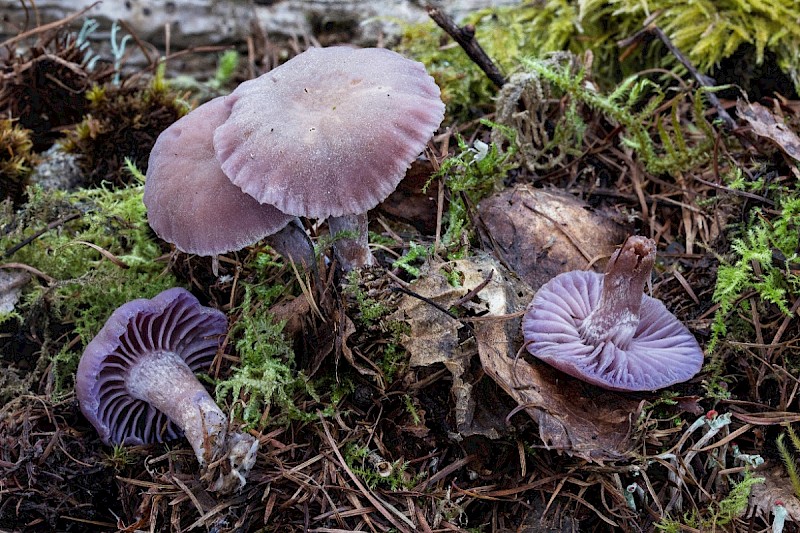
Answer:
(28, 240)
(702, 79)
(465, 37)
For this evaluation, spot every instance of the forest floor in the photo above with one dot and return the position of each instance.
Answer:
(400, 397)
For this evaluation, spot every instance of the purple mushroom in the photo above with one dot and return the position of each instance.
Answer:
(604, 330)
(136, 382)
(192, 204)
(330, 134)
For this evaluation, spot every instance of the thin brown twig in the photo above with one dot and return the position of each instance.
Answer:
(374, 501)
(702, 79)
(46, 27)
(465, 37)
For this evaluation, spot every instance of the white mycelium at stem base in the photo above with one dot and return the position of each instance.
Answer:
(616, 316)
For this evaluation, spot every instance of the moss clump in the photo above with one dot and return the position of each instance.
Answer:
(708, 31)
(764, 260)
(470, 175)
(122, 123)
(264, 375)
(682, 142)
(43, 86)
(83, 285)
(16, 160)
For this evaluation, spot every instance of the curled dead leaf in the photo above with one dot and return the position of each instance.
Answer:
(766, 124)
(542, 233)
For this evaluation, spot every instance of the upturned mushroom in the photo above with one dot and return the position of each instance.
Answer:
(192, 204)
(328, 135)
(602, 328)
(136, 383)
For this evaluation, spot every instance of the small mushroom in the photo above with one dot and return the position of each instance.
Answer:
(192, 204)
(136, 383)
(330, 133)
(604, 330)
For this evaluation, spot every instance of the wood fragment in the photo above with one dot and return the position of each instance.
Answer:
(465, 37)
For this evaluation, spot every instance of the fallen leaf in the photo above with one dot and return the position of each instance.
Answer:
(437, 337)
(542, 233)
(776, 486)
(765, 124)
(573, 417)
(11, 283)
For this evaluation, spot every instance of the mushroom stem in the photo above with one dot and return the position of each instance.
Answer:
(292, 242)
(351, 252)
(616, 316)
(187, 403)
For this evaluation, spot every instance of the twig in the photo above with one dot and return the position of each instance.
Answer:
(702, 79)
(371, 497)
(465, 37)
(11, 251)
(46, 27)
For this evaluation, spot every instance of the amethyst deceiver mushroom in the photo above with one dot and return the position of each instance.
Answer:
(192, 204)
(330, 134)
(602, 328)
(136, 382)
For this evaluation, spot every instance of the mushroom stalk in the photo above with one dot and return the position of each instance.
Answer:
(351, 252)
(616, 316)
(292, 242)
(187, 403)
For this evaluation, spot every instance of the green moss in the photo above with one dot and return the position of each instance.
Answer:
(717, 514)
(370, 310)
(16, 160)
(632, 105)
(264, 375)
(470, 175)
(123, 123)
(360, 460)
(86, 285)
(761, 259)
(788, 457)
(708, 31)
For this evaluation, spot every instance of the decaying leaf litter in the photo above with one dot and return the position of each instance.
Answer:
(399, 397)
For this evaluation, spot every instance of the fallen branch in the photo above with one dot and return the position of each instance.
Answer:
(465, 37)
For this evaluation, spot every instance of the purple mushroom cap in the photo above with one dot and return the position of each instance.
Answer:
(173, 322)
(190, 202)
(329, 133)
(602, 328)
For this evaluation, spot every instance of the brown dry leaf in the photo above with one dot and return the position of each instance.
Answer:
(409, 204)
(595, 427)
(776, 486)
(766, 124)
(11, 283)
(542, 233)
(436, 337)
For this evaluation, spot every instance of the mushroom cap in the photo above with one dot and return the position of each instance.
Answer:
(172, 321)
(190, 202)
(662, 351)
(331, 132)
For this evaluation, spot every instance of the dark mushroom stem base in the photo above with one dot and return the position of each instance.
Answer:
(616, 317)
(187, 403)
(352, 251)
(292, 242)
